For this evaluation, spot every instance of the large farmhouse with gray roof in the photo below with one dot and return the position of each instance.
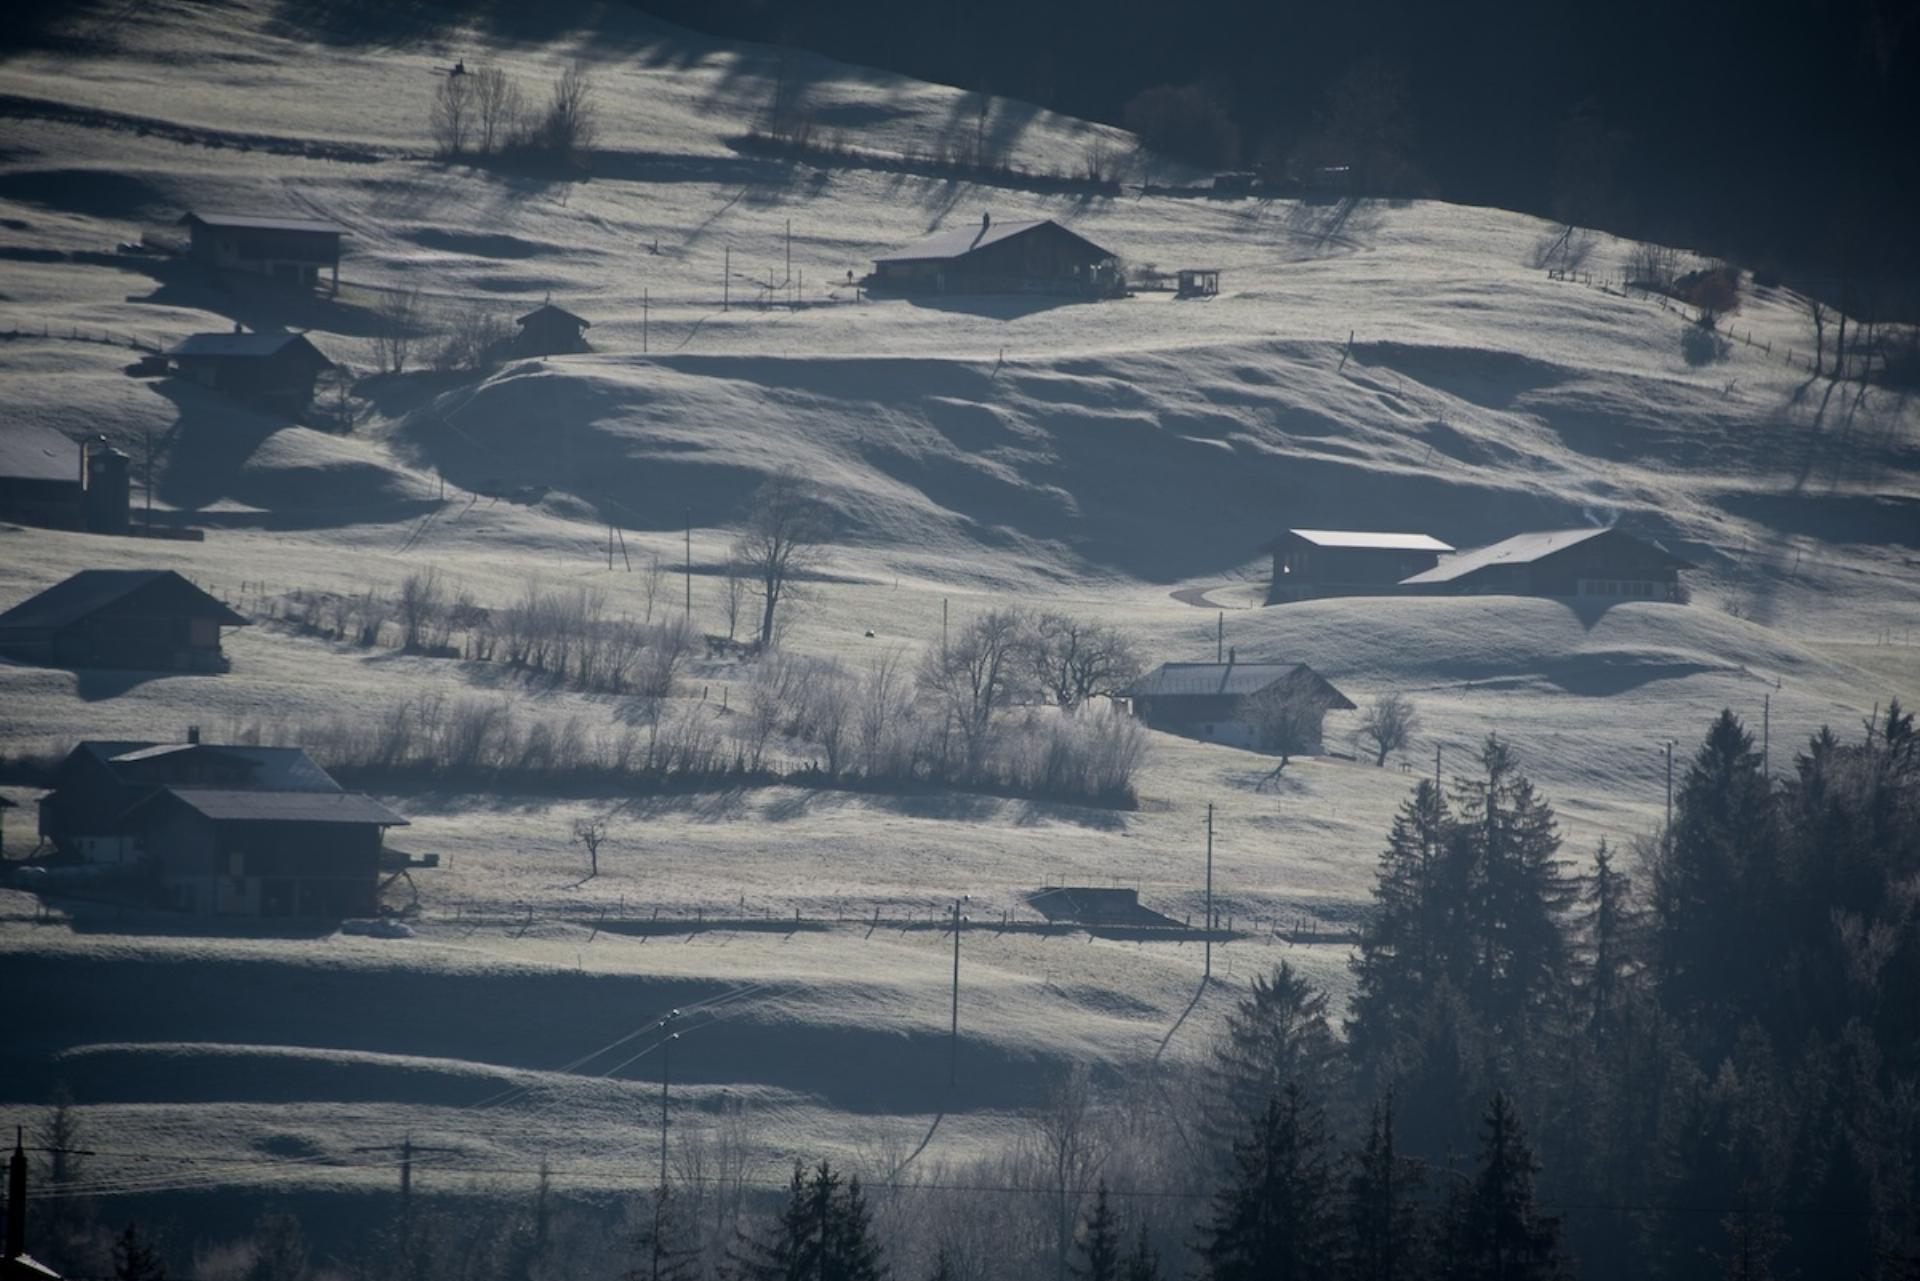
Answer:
(274, 370)
(292, 252)
(128, 619)
(220, 829)
(1207, 700)
(1594, 563)
(1035, 256)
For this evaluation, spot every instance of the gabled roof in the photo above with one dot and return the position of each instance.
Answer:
(1370, 540)
(961, 242)
(242, 346)
(1204, 680)
(92, 590)
(1522, 549)
(30, 452)
(258, 805)
(561, 312)
(250, 222)
(287, 769)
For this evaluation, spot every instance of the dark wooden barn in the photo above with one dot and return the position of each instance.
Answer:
(1205, 700)
(222, 830)
(276, 371)
(293, 252)
(1605, 564)
(548, 330)
(127, 619)
(1036, 256)
(1346, 562)
(49, 480)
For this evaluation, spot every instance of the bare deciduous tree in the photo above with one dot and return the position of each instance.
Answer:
(1070, 1142)
(572, 119)
(1074, 660)
(973, 677)
(590, 833)
(786, 525)
(497, 108)
(422, 601)
(454, 112)
(651, 582)
(396, 327)
(1817, 312)
(733, 589)
(1388, 724)
(1284, 719)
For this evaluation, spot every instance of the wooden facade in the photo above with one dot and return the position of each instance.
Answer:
(1035, 257)
(1206, 700)
(125, 619)
(293, 253)
(1309, 563)
(548, 330)
(221, 830)
(1593, 564)
(275, 371)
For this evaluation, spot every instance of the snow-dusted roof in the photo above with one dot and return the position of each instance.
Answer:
(1372, 540)
(561, 312)
(1203, 680)
(1521, 549)
(286, 769)
(30, 452)
(249, 222)
(91, 590)
(961, 242)
(240, 345)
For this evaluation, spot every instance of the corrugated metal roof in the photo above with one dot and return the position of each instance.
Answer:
(1521, 549)
(250, 222)
(961, 242)
(244, 345)
(1370, 539)
(255, 805)
(31, 452)
(91, 590)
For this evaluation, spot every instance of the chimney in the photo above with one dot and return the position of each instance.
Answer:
(193, 734)
(17, 1198)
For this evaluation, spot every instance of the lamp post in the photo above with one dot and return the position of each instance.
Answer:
(953, 1043)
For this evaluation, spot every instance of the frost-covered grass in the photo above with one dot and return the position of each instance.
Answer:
(1095, 458)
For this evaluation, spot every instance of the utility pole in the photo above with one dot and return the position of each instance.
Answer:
(406, 1148)
(1766, 737)
(1436, 769)
(1208, 975)
(666, 1075)
(1669, 788)
(943, 629)
(149, 480)
(953, 1036)
(1219, 635)
(726, 277)
(644, 306)
(689, 564)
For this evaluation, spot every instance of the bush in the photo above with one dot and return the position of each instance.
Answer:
(1712, 289)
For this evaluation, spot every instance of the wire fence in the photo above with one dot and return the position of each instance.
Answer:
(1853, 366)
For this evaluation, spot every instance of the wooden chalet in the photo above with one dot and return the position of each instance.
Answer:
(222, 830)
(1604, 564)
(548, 330)
(1204, 700)
(127, 619)
(291, 252)
(1346, 562)
(276, 371)
(1037, 256)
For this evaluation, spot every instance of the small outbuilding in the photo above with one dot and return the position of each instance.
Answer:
(1207, 700)
(292, 252)
(548, 330)
(1035, 256)
(51, 480)
(1606, 564)
(222, 830)
(276, 371)
(1197, 282)
(124, 619)
(1308, 563)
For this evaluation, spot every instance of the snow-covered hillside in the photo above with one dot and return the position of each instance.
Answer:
(1368, 364)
